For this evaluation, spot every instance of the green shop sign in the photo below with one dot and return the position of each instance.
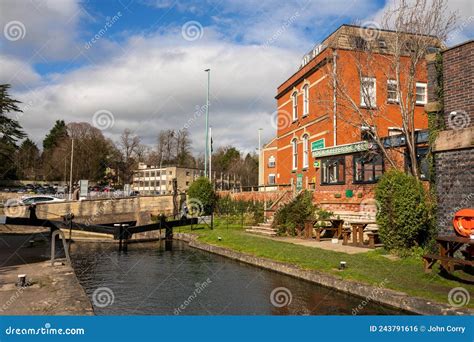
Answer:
(341, 149)
(317, 144)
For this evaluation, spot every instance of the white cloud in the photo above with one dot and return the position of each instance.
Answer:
(17, 73)
(464, 28)
(158, 83)
(49, 28)
(256, 21)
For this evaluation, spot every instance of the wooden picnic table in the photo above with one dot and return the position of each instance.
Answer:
(357, 233)
(335, 227)
(448, 246)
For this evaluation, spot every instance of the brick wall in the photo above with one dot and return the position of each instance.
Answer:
(270, 150)
(454, 185)
(458, 64)
(253, 195)
(454, 148)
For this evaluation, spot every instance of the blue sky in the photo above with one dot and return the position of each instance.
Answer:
(150, 17)
(141, 61)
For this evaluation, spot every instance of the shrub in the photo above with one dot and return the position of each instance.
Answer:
(405, 214)
(201, 191)
(290, 218)
(250, 211)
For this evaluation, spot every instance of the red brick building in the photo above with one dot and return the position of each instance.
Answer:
(267, 164)
(321, 144)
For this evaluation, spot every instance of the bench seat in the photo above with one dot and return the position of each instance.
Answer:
(431, 259)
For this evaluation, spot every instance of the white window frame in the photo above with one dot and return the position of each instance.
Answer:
(294, 102)
(271, 175)
(373, 97)
(294, 153)
(305, 100)
(271, 161)
(425, 86)
(305, 151)
(396, 99)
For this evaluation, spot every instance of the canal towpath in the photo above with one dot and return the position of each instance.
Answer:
(51, 290)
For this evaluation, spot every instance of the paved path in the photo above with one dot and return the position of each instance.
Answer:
(326, 244)
(55, 290)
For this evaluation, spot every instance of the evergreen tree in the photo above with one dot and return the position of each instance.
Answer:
(56, 151)
(10, 129)
(56, 135)
(10, 132)
(27, 159)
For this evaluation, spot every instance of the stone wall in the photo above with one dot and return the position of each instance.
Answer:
(109, 210)
(454, 147)
(454, 178)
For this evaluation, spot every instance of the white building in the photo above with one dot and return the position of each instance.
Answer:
(153, 180)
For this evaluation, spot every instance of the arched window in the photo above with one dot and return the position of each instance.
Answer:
(306, 100)
(294, 145)
(294, 99)
(305, 151)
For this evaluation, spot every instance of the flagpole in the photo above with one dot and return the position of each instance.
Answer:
(207, 122)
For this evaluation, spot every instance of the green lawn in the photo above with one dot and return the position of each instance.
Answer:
(404, 275)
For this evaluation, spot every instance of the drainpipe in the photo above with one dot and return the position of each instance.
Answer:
(334, 99)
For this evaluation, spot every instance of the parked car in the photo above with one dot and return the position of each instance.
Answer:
(40, 199)
(50, 190)
(41, 191)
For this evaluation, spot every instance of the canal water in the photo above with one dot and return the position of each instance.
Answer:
(147, 280)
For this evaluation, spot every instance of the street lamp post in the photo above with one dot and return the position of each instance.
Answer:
(70, 172)
(207, 123)
(210, 154)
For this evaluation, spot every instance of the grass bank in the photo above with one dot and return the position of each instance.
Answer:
(405, 275)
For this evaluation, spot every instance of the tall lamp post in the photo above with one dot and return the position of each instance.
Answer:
(210, 154)
(70, 172)
(207, 123)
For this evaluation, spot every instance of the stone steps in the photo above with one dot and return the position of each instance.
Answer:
(262, 229)
(261, 232)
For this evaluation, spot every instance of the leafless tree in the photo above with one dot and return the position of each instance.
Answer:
(91, 151)
(128, 146)
(183, 148)
(166, 146)
(174, 147)
(408, 30)
(142, 152)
